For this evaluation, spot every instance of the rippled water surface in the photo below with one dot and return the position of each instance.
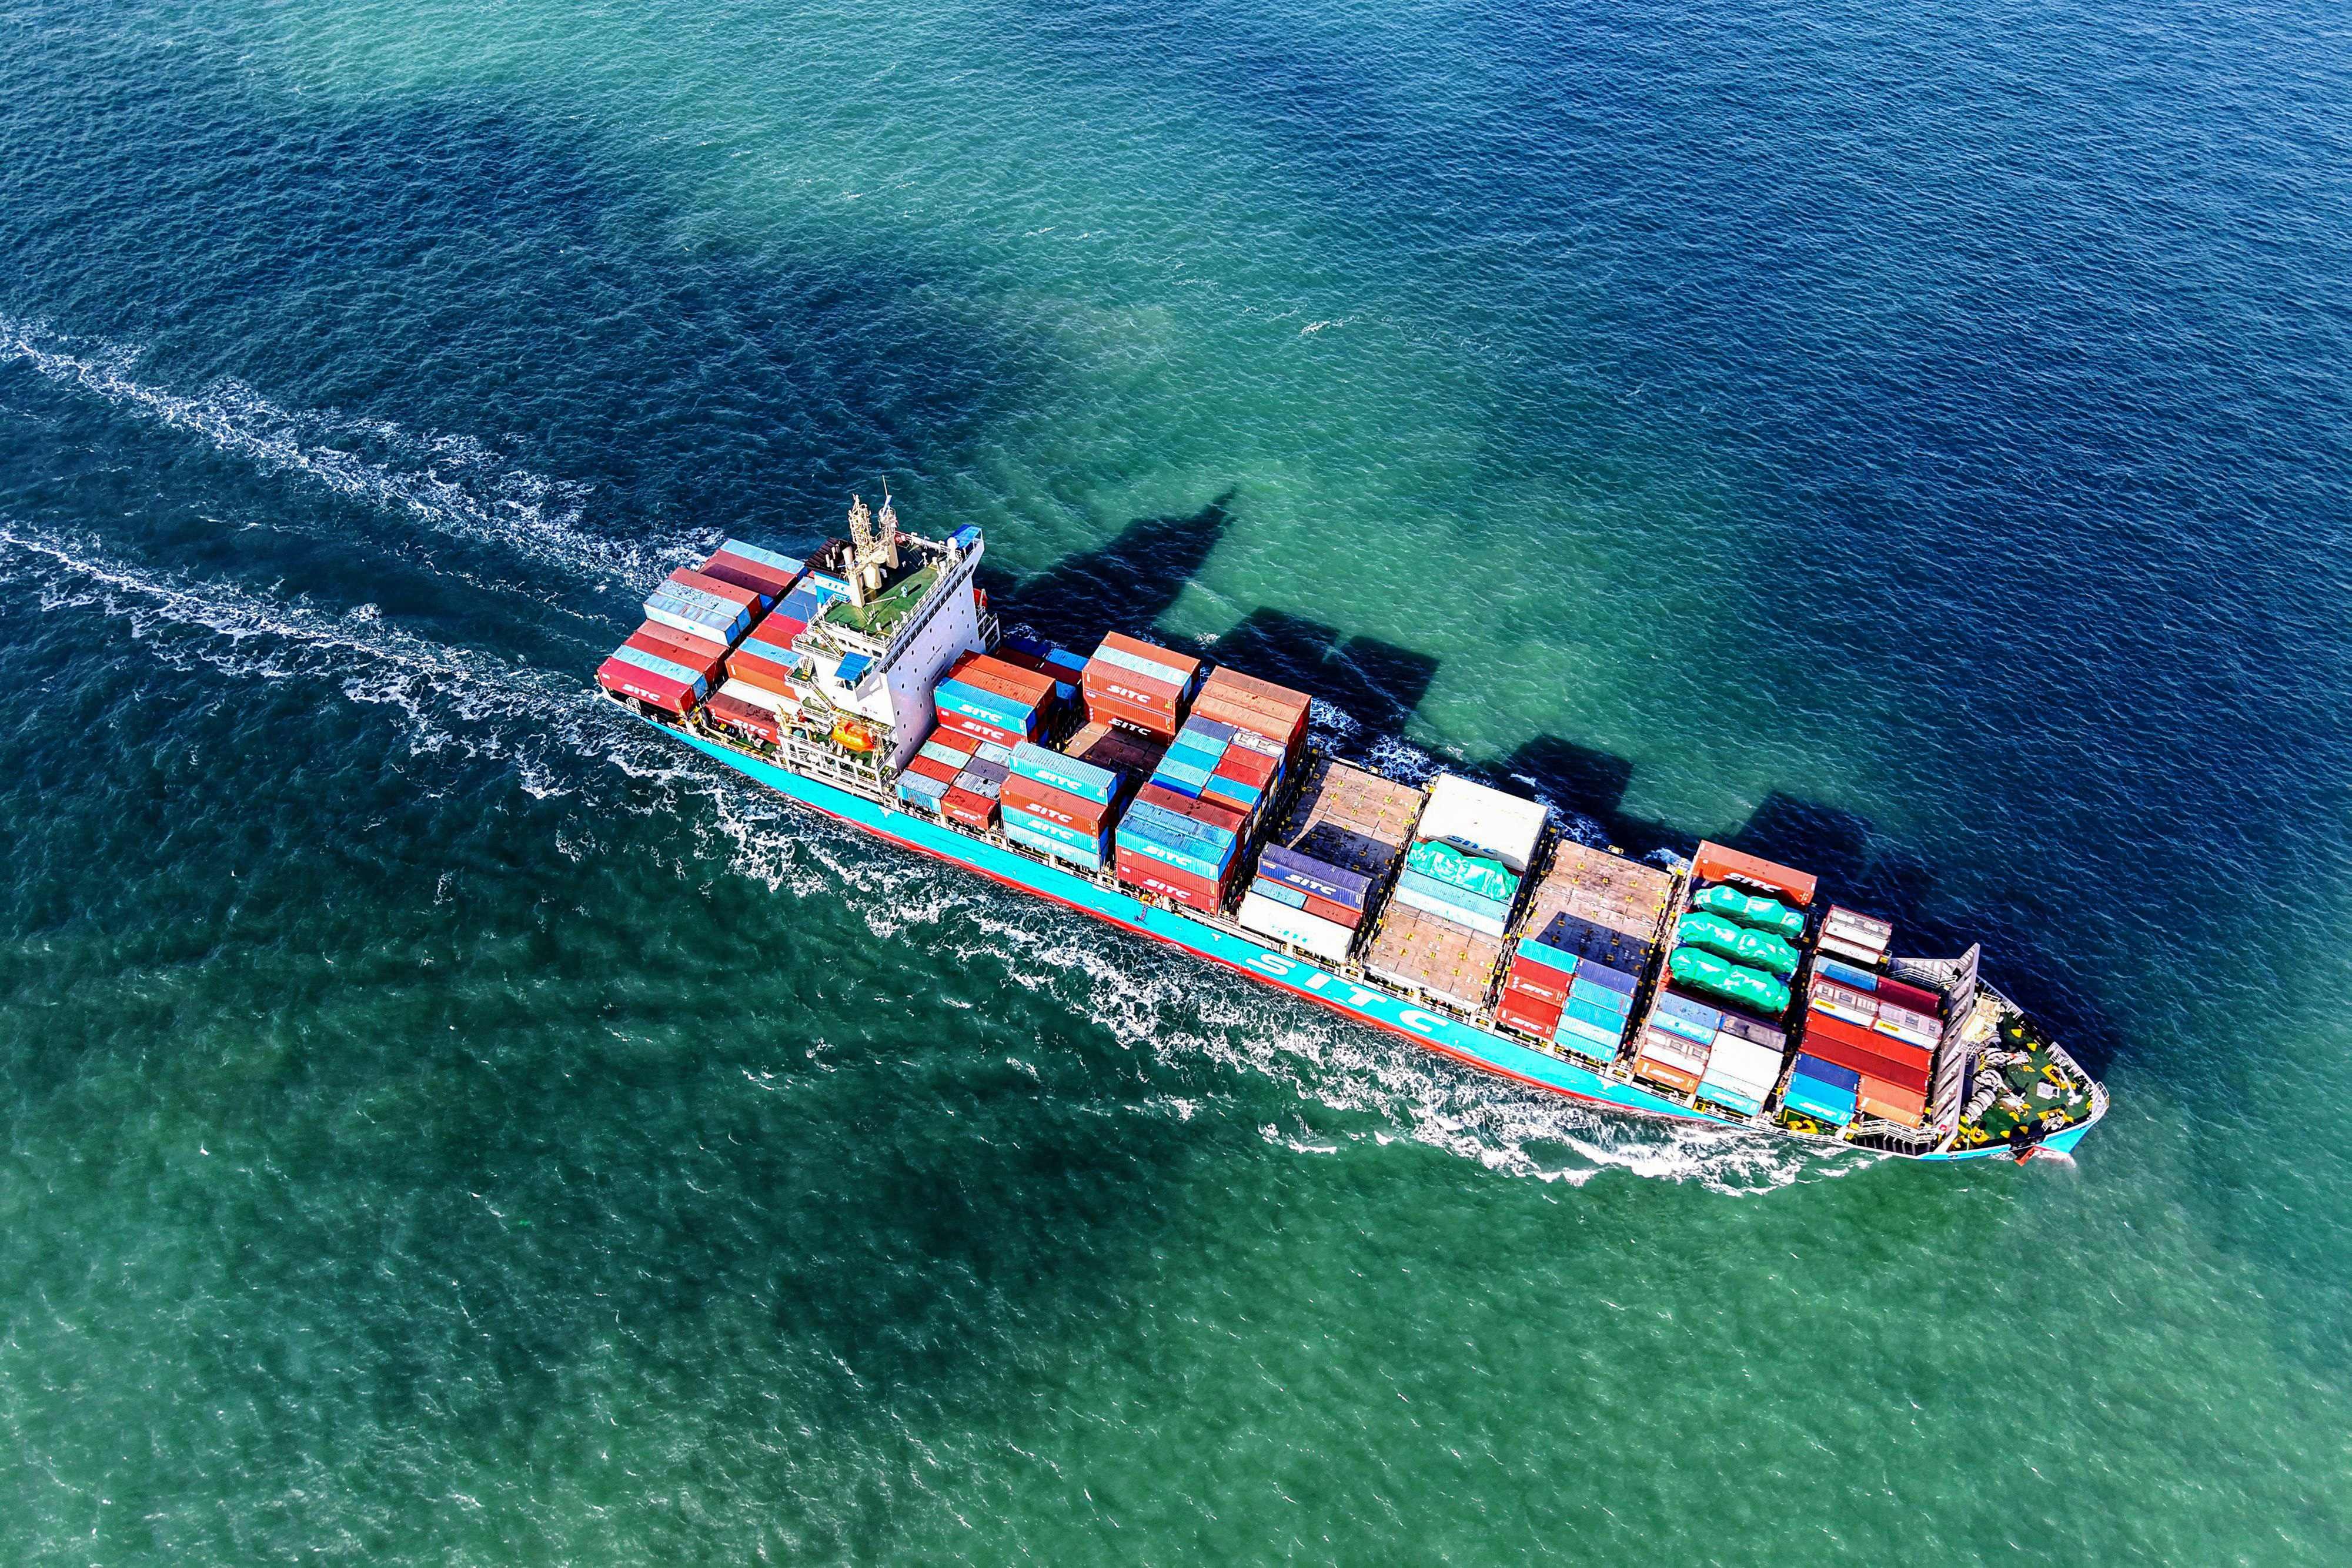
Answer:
(445, 1124)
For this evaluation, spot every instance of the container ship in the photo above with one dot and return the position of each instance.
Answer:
(1186, 803)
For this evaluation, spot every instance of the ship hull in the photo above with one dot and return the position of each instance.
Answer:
(1479, 1048)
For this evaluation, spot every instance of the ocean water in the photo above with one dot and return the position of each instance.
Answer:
(445, 1124)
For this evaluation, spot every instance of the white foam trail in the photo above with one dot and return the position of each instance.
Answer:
(450, 699)
(453, 484)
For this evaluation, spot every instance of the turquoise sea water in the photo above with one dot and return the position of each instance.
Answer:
(445, 1124)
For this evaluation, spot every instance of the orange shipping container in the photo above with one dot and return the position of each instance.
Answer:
(1891, 1101)
(1073, 812)
(1717, 862)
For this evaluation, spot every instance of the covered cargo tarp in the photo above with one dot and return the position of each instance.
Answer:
(1441, 862)
(1751, 909)
(1484, 821)
(1756, 948)
(1737, 982)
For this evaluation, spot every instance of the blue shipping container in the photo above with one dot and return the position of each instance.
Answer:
(1845, 974)
(1729, 1096)
(1697, 1033)
(1308, 874)
(1550, 957)
(1616, 980)
(1157, 822)
(1289, 896)
(655, 665)
(1171, 772)
(1056, 771)
(1210, 728)
(1234, 793)
(1091, 859)
(1446, 893)
(1819, 1102)
(1054, 831)
(1007, 713)
(1167, 854)
(1615, 1003)
(1672, 1006)
(1828, 1073)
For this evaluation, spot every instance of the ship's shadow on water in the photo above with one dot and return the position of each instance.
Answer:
(1135, 578)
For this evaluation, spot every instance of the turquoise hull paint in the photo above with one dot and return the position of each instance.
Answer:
(1481, 1048)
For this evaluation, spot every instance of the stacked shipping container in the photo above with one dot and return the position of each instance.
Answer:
(1469, 852)
(1728, 971)
(1315, 882)
(1210, 790)
(1442, 931)
(1571, 997)
(1139, 685)
(1060, 805)
(674, 661)
(994, 700)
(1882, 1030)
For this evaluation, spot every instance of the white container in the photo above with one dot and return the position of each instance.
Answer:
(1487, 820)
(1730, 1062)
(1308, 933)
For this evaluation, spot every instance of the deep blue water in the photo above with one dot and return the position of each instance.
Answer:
(445, 1124)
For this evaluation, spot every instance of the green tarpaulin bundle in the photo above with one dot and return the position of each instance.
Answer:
(1763, 913)
(1734, 982)
(1441, 862)
(1751, 947)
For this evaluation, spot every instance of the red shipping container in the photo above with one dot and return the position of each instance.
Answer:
(702, 664)
(765, 674)
(1528, 980)
(742, 598)
(1216, 813)
(1164, 798)
(1664, 1072)
(702, 647)
(1158, 876)
(1526, 967)
(973, 811)
(1337, 914)
(977, 731)
(1538, 1018)
(1891, 1101)
(1102, 709)
(929, 768)
(1075, 812)
(1819, 1025)
(1128, 685)
(1910, 997)
(1869, 1064)
(737, 714)
(620, 675)
(1719, 863)
(757, 576)
(1243, 765)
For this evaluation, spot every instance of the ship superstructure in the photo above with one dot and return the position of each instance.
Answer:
(1184, 801)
